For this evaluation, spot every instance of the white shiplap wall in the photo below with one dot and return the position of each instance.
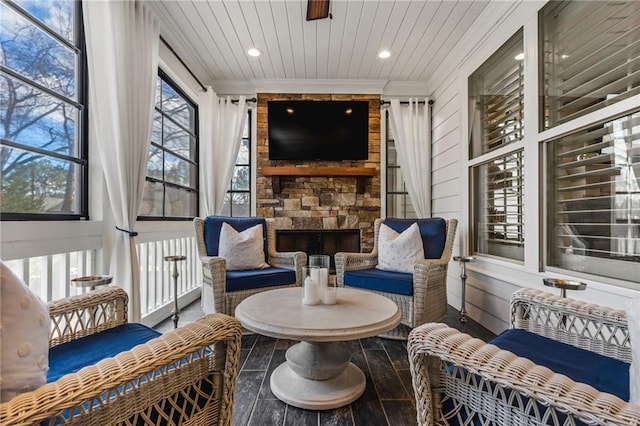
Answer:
(491, 282)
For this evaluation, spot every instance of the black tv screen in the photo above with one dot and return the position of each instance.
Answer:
(318, 130)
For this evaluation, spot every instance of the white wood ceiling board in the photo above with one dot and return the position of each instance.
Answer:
(457, 31)
(265, 16)
(415, 63)
(375, 35)
(206, 24)
(294, 12)
(408, 25)
(180, 44)
(323, 31)
(201, 49)
(339, 11)
(232, 24)
(354, 9)
(413, 44)
(365, 25)
(283, 32)
(254, 25)
(394, 23)
(309, 40)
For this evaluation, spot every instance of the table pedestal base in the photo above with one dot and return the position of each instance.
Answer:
(318, 376)
(310, 394)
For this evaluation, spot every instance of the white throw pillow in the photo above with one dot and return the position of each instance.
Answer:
(24, 332)
(632, 307)
(398, 252)
(242, 250)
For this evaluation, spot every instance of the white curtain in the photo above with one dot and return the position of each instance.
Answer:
(221, 126)
(411, 130)
(122, 52)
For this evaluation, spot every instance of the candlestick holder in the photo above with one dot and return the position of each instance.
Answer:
(463, 260)
(176, 310)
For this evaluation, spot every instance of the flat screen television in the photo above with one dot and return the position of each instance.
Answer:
(318, 130)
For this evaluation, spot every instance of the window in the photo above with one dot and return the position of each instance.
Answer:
(237, 202)
(171, 187)
(590, 60)
(589, 57)
(498, 206)
(398, 200)
(42, 111)
(594, 203)
(496, 95)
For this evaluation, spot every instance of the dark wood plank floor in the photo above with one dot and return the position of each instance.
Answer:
(387, 400)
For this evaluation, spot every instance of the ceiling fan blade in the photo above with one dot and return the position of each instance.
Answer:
(317, 9)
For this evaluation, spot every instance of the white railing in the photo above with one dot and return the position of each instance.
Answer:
(50, 276)
(156, 280)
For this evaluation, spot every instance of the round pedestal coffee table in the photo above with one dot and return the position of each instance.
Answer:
(318, 373)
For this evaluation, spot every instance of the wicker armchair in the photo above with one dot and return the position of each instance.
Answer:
(160, 382)
(456, 377)
(428, 303)
(216, 297)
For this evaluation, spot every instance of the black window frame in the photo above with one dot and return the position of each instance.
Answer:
(196, 162)
(82, 82)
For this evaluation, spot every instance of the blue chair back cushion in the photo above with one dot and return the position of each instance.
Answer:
(213, 226)
(259, 278)
(432, 230)
(376, 279)
(72, 356)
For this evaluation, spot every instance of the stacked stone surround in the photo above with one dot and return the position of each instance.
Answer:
(320, 202)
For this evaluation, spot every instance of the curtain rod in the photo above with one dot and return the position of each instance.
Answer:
(182, 62)
(405, 103)
(235, 101)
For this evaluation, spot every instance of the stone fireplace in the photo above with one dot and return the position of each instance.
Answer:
(337, 201)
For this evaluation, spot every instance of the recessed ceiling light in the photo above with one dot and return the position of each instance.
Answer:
(253, 52)
(519, 57)
(384, 54)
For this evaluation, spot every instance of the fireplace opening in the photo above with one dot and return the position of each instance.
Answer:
(319, 241)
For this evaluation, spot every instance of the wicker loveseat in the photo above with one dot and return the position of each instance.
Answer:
(461, 380)
(186, 376)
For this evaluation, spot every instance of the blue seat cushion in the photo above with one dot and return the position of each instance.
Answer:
(72, 356)
(376, 279)
(603, 373)
(259, 278)
(433, 232)
(213, 226)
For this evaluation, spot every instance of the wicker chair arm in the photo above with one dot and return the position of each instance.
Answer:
(290, 260)
(161, 355)
(588, 326)
(353, 262)
(78, 316)
(432, 343)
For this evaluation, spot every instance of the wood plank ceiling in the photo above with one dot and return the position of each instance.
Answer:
(212, 37)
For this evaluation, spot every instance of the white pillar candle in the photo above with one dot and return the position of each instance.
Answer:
(323, 277)
(310, 292)
(329, 295)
